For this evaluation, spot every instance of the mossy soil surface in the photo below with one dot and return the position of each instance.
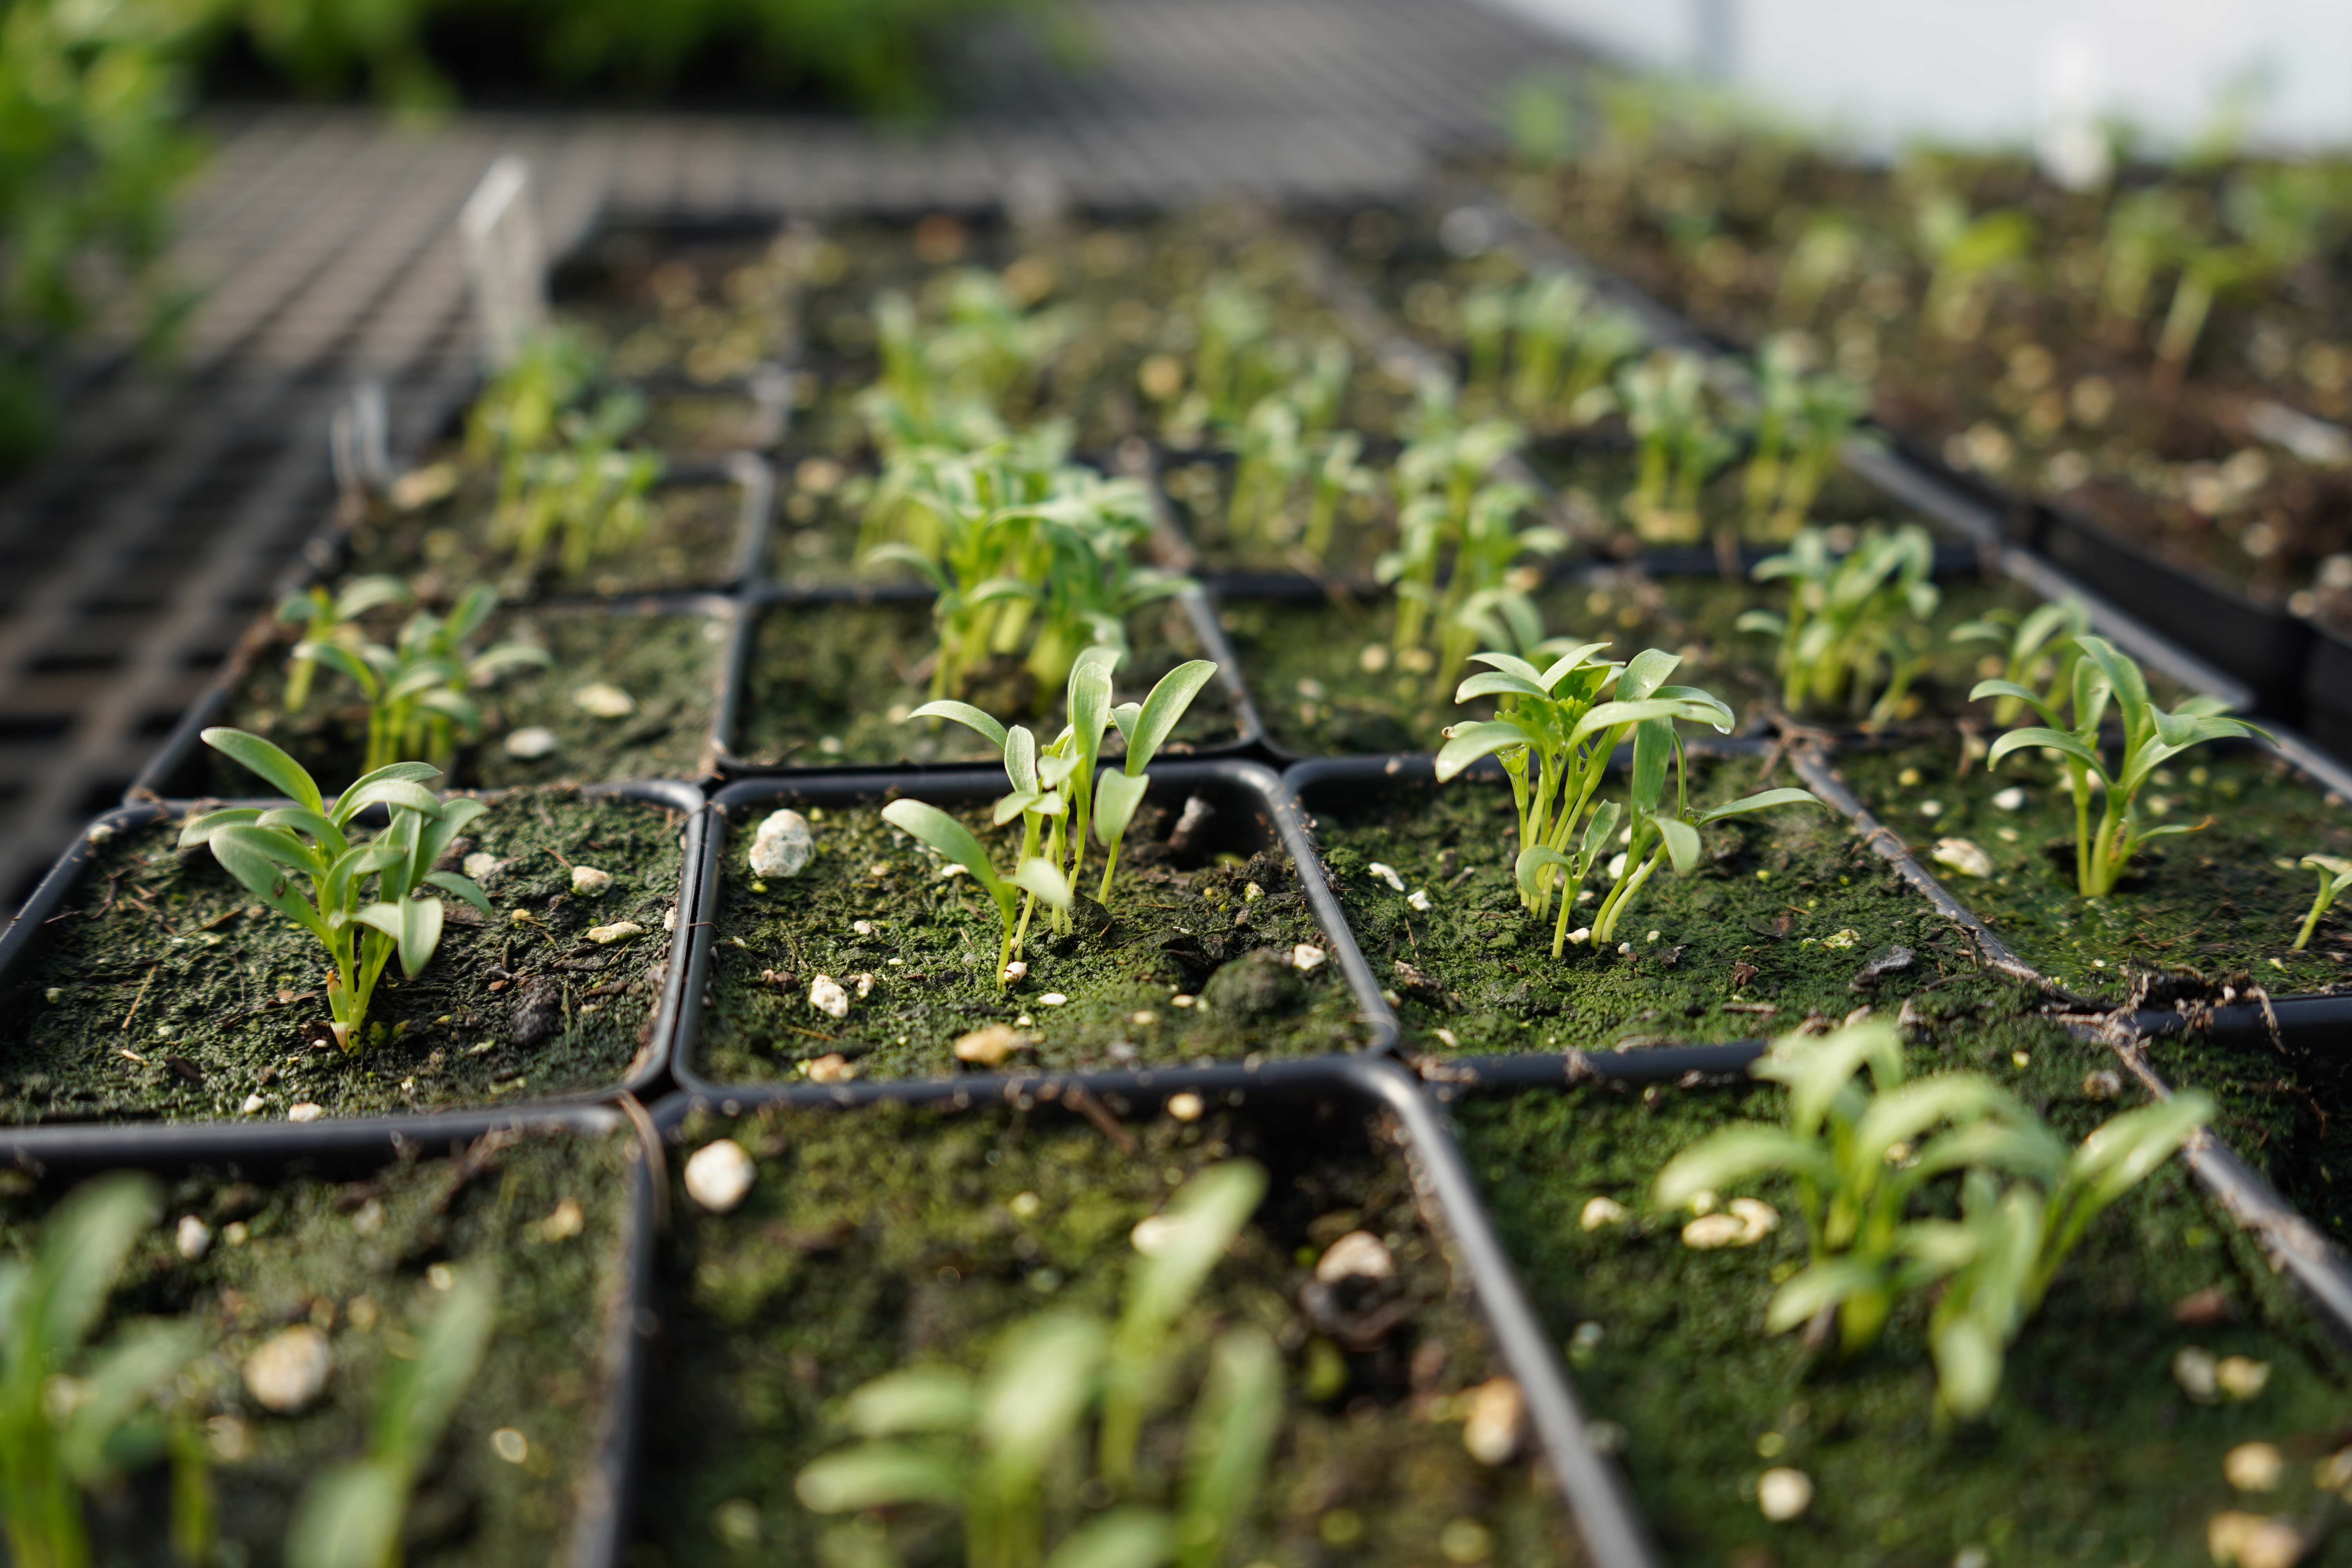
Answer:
(546, 1216)
(1200, 494)
(1179, 925)
(2226, 900)
(832, 683)
(890, 1236)
(692, 541)
(2093, 1454)
(666, 664)
(666, 304)
(1326, 682)
(1784, 921)
(176, 995)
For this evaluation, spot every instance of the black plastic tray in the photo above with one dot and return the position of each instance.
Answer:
(39, 1143)
(1602, 1508)
(1254, 811)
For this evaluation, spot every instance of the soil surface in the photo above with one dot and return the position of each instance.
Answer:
(355, 1259)
(1191, 965)
(161, 990)
(888, 1236)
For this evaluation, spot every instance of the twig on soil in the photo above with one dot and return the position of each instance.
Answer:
(1087, 1106)
(812, 1033)
(135, 1001)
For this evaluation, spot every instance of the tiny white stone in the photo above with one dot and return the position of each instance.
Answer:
(1052, 999)
(290, 1369)
(479, 864)
(529, 745)
(1757, 1218)
(829, 997)
(1964, 857)
(1447, 1037)
(717, 1176)
(55, 993)
(1307, 955)
(1581, 935)
(306, 1112)
(619, 931)
(669, 918)
(1419, 900)
(1016, 970)
(2194, 1369)
(601, 699)
(1357, 1255)
(1387, 874)
(591, 883)
(2253, 1467)
(1782, 1493)
(254, 1103)
(990, 1045)
(1601, 1211)
(865, 986)
(783, 845)
(100, 833)
(1186, 1107)
(2242, 1377)
(1931, 808)
(1616, 866)
(2010, 799)
(863, 928)
(1497, 1411)
(1709, 1231)
(1652, 936)
(194, 1238)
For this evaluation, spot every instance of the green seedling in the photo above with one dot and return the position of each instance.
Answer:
(2335, 876)
(520, 413)
(1862, 1160)
(999, 1449)
(1444, 489)
(351, 1517)
(2036, 649)
(1855, 632)
(2151, 737)
(334, 617)
(416, 690)
(1033, 875)
(262, 846)
(73, 1420)
(953, 382)
(2279, 217)
(586, 499)
(1802, 423)
(1336, 478)
(2147, 231)
(1827, 258)
(1271, 459)
(1682, 447)
(1965, 253)
(1548, 349)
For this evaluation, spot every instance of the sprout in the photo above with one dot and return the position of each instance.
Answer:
(2038, 649)
(1443, 493)
(1803, 422)
(2335, 876)
(1664, 398)
(2281, 217)
(988, 1447)
(1856, 624)
(332, 617)
(587, 498)
(1334, 478)
(1964, 253)
(259, 846)
(1036, 877)
(2151, 737)
(2147, 229)
(1549, 349)
(71, 1422)
(520, 412)
(416, 690)
(1860, 1158)
(952, 383)
(351, 1517)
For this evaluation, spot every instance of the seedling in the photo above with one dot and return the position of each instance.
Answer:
(1272, 458)
(1860, 1157)
(520, 412)
(1336, 478)
(2151, 738)
(586, 499)
(1033, 875)
(415, 689)
(1965, 253)
(260, 846)
(952, 383)
(989, 1447)
(1801, 425)
(2335, 876)
(2037, 649)
(1855, 631)
(70, 1420)
(1665, 397)
(332, 617)
(2281, 217)
(1826, 257)
(1548, 350)
(352, 1516)
(1443, 491)
(2147, 231)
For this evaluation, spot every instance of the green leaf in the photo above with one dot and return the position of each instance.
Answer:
(362, 595)
(1818, 1068)
(1763, 620)
(1644, 673)
(349, 1518)
(1512, 664)
(1231, 1438)
(1468, 743)
(1681, 843)
(401, 794)
(967, 715)
(1039, 1383)
(265, 760)
(1043, 878)
(465, 888)
(1020, 747)
(935, 828)
(1570, 662)
(422, 1393)
(1162, 709)
(1763, 800)
(1123, 1538)
(414, 923)
(83, 1244)
(301, 819)
(252, 842)
(2025, 694)
(263, 877)
(876, 1475)
(1530, 865)
(914, 1399)
(197, 830)
(1610, 715)
(1968, 1357)
(2046, 739)
(2121, 1152)
(1117, 797)
(1733, 1154)
(1197, 1224)
(343, 661)
(1823, 1285)
(146, 1356)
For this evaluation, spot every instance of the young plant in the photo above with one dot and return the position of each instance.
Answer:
(1548, 350)
(1964, 254)
(1271, 457)
(1443, 486)
(415, 689)
(2037, 649)
(998, 1448)
(1801, 425)
(2151, 738)
(71, 1420)
(520, 413)
(1855, 631)
(1860, 1157)
(953, 382)
(586, 499)
(2335, 876)
(1664, 398)
(1336, 478)
(2147, 231)
(352, 1516)
(261, 846)
(332, 617)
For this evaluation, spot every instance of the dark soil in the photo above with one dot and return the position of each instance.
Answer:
(353, 1259)
(2093, 1452)
(1781, 923)
(889, 1236)
(832, 683)
(668, 663)
(162, 991)
(1181, 926)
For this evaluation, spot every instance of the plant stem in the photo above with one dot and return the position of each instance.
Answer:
(2318, 907)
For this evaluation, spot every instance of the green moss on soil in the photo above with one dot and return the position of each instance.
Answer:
(668, 663)
(351, 1258)
(891, 1237)
(834, 684)
(1751, 930)
(150, 940)
(1177, 929)
(691, 542)
(2093, 1453)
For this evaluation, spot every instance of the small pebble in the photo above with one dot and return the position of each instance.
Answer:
(2102, 1085)
(306, 1112)
(1781, 1493)
(601, 699)
(254, 1104)
(719, 1174)
(2241, 1377)
(481, 863)
(1909, 778)
(1307, 955)
(2195, 1371)
(194, 1238)
(619, 931)
(1374, 658)
(2251, 1541)
(829, 997)
(1709, 1231)
(1847, 937)
(1963, 856)
(1144, 1019)
(55, 993)
(831, 1068)
(509, 1444)
(1052, 999)
(1016, 970)
(1419, 899)
(990, 1045)
(783, 845)
(1931, 808)
(1601, 1211)
(1497, 1411)
(530, 744)
(863, 928)
(1387, 874)
(2010, 799)
(2253, 1467)
(290, 1369)
(1358, 1254)
(591, 883)
(565, 1222)
(1185, 1107)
